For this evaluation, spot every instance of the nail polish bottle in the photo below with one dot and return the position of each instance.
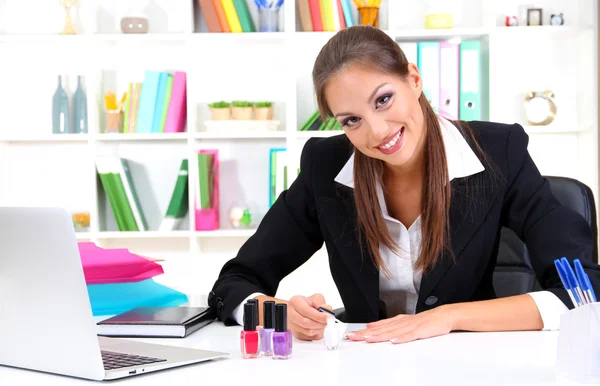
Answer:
(266, 333)
(249, 335)
(282, 337)
(331, 335)
(256, 321)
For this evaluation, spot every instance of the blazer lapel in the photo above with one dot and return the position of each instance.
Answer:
(469, 206)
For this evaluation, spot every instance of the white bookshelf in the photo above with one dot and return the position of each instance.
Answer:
(38, 168)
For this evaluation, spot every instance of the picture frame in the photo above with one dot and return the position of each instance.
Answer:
(534, 17)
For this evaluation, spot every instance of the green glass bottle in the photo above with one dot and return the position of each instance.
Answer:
(60, 110)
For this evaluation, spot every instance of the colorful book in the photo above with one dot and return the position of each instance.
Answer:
(221, 15)
(177, 113)
(207, 8)
(304, 13)
(178, 206)
(148, 97)
(241, 8)
(232, 16)
(160, 100)
(165, 104)
(315, 15)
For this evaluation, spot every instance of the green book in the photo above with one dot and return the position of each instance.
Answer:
(205, 180)
(105, 180)
(131, 194)
(165, 105)
(241, 8)
(309, 121)
(178, 206)
(121, 196)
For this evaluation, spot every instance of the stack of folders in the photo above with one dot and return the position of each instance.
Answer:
(157, 322)
(158, 105)
(278, 173)
(327, 15)
(118, 281)
(178, 205)
(577, 283)
(315, 123)
(454, 77)
(116, 180)
(227, 15)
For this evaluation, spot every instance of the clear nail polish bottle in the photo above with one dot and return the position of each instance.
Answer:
(266, 333)
(282, 337)
(331, 335)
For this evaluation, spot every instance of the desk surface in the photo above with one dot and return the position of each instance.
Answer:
(511, 358)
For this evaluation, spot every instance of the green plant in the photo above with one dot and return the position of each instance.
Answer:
(219, 105)
(263, 104)
(241, 104)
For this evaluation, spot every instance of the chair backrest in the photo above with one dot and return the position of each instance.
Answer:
(514, 274)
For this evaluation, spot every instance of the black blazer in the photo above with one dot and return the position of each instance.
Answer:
(316, 210)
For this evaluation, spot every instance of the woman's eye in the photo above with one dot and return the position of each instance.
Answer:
(382, 100)
(350, 121)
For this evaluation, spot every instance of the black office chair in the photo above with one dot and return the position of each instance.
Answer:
(514, 274)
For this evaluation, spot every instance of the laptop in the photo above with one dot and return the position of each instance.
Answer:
(47, 323)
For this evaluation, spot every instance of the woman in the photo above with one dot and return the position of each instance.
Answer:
(410, 207)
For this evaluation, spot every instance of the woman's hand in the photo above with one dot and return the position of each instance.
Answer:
(406, 328)
(305, 322)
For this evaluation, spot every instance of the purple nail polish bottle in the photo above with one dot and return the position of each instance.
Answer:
(266, 333)
(282, 337)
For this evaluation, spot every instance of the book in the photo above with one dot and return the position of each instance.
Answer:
(178, 205)
(157, 322)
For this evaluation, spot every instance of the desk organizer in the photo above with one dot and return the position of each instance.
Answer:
(578, 353)
(208, 218)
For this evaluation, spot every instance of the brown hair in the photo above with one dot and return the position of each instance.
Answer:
(369, 47)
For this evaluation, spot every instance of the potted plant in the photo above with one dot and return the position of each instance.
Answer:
(263, 110)
(220, 110)
(241, 110)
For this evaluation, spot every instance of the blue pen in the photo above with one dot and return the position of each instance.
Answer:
(589, 285)
(573, 281)
(279, 3)
(563, 278)
(581, 278)
(257, 3)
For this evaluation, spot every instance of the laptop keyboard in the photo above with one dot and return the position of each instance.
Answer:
(115, 360)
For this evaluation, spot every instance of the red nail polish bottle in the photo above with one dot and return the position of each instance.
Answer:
(249, 335)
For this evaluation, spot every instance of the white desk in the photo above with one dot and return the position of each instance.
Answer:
(481, 359)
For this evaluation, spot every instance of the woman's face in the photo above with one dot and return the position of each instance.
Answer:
(380, 113)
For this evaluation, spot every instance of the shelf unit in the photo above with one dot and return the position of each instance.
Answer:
(37, 168)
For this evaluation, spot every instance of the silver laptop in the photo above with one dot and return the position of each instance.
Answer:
(46, 321)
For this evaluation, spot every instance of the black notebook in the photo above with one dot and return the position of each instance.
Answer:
(157, 322)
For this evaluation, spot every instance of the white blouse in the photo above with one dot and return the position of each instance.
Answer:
(400, 292)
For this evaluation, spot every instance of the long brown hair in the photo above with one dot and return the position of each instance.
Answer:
(369, 47)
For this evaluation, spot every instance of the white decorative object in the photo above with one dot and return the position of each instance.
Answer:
(540, 108)
(331, 335)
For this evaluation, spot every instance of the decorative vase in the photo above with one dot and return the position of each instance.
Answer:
(60, 110)
(263, 113)
(242, 113)
(80, 124)
(220, 113)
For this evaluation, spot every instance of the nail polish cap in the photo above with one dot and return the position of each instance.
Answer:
(255, 302)
(249, 321)
(281, 317)
(269, 314)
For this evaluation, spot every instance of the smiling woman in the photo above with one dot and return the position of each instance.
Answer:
(410, 207)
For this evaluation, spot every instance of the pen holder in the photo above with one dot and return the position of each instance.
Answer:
(578, 351)
(268, 19)
(368, 16)
(114, 121)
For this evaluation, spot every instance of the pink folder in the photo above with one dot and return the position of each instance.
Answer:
(102, 266)
(177, 113)
(449, 80)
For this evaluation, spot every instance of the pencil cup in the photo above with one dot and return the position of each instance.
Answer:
(368, 16)
(114, 121)
(268, 19)
(579, 344)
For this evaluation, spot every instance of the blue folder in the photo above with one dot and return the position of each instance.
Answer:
(113, 299)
